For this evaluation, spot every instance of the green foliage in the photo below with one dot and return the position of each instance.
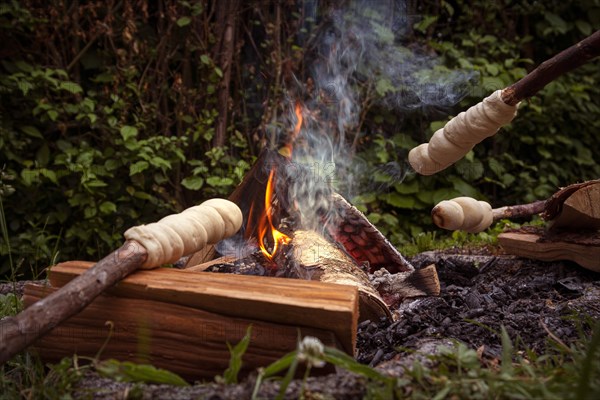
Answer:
(25, 377)
(550, 144)
(125, 371)
(107, 137)
(107, 119)
(458, 371)
(230, 375)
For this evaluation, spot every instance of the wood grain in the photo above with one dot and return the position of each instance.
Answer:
(186, 340)
(532, 245)
(293, 302)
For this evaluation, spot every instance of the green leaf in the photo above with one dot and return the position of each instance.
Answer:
(384, 86)
(130, 372)
(193, 182)
(400, 201)
(584, 27)
(31, 131)
(52, 114)
(235, 361)
(216, 181)
(558, 24)
(138, 167)
(422, 25)
(108, 207)
(160, 162)
(51, 175)
(71, 87)
(183, 21)
(128, 132)
(205, 59)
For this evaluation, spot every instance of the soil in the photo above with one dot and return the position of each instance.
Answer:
(481, 292)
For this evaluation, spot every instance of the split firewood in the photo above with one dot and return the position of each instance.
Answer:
(575, 207)
(573, 229)
(581, 248)
(18, 332)
(470, 215)
(312, 257)
(452, 142)
(361, 239)
(394, 288)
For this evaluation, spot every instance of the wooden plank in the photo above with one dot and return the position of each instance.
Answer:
(294, 302)
(185, 340)
(532, 245)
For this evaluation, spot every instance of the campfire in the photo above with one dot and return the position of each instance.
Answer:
(289, 231)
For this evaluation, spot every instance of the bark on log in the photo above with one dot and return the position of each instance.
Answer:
(555, 202)
(581, 210)
(394, 288)
(519, 210)
(17, 332)
(551, 69)
(362, 240)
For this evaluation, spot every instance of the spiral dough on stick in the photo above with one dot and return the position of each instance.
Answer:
(463, 213)
(191, 230)
(461, 133)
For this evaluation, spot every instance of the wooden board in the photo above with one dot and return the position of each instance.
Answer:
(292, 302)
(186, 340)
(532, 245)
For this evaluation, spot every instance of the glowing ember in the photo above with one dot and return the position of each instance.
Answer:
(286, 150)
(266, 224)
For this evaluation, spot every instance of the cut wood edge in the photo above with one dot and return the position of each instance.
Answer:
(580, 210)
(529, 245)
(293, 302)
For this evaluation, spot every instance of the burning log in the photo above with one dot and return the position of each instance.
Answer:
(362, 240)
(450, 143)
(312, 257)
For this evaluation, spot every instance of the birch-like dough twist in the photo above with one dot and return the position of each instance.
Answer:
(463, 213)
(191, 230)
(461, 133)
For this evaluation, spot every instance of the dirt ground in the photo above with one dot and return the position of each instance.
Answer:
(480, 293)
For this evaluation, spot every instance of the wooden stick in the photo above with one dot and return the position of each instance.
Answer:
(452, 142)
(18, 332)
(519, 210)
(549, 70)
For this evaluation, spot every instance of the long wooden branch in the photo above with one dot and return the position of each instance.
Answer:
(149, 246)
(450, 143)
(17, 332)
(565, 61)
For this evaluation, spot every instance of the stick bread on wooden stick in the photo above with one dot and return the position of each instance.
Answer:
(473, 216)
(172, 236)
(191, 230)
(452, 142)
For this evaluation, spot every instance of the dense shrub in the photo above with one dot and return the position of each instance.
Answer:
(109, 110)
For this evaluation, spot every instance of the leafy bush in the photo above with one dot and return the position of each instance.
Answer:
(108, 111)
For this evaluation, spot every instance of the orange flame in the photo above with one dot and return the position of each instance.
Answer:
(266, 224)
(287, 148)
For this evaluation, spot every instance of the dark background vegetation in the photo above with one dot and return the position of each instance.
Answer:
(115, 113)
